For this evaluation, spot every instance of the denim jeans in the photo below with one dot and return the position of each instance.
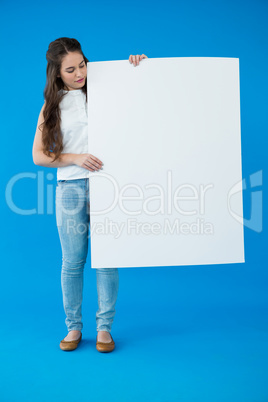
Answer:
(72, 216)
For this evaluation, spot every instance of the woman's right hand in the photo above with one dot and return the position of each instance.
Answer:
(88, 161)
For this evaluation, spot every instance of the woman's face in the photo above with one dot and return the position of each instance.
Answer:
(73, 69)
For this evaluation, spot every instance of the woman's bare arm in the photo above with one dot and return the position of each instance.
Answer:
(87, 161)
(39, 158)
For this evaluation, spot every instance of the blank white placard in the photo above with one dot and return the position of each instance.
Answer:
(168, 133)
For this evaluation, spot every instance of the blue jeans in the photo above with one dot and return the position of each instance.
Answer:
(72, 216)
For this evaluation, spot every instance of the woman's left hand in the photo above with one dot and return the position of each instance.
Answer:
(136, 59)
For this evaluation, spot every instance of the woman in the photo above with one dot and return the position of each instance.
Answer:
(61, 141)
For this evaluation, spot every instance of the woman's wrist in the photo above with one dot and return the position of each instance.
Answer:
(69, 158)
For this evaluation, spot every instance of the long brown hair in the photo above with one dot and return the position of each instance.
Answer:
(51, 132)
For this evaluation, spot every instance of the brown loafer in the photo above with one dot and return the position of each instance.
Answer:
(70, 345)
(105, 346)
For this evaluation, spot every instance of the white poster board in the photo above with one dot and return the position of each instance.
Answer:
(168, 133)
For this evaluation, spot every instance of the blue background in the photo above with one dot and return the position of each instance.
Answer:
(196, 333)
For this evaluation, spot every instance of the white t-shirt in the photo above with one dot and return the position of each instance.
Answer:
(74, 128)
